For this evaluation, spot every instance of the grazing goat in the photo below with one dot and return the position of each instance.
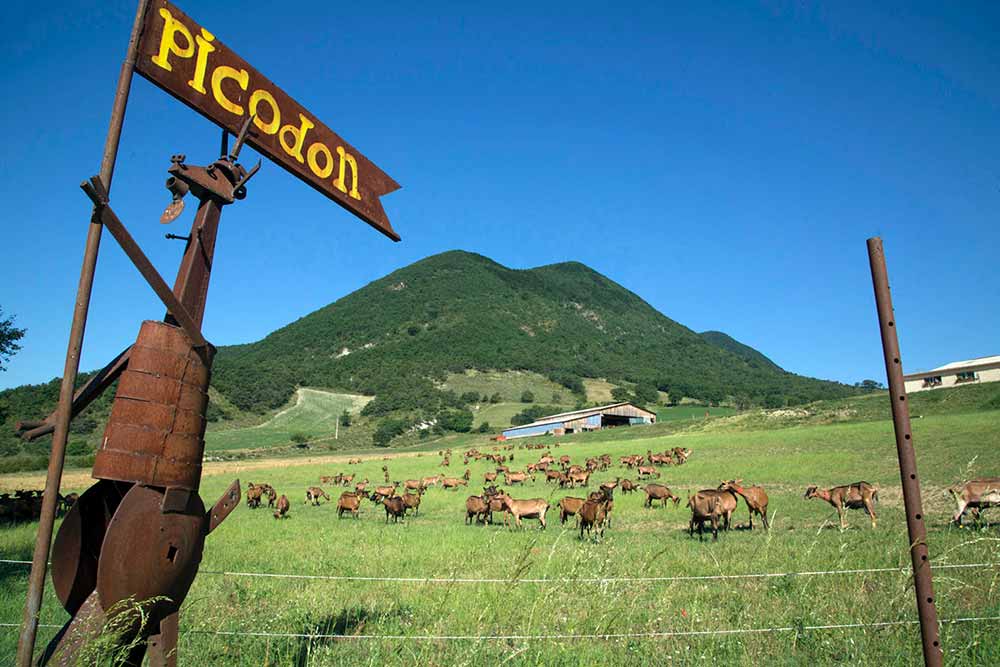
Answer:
(658, 492)
(648, 471)
(728, 502)
(381, 492)
(628, 486)
(314, 493)
(412, 485)
(477, 508)
(569, 506)
(453, 482)
(412, 501)
(489, 477)
(975, 495)
(594, 512)
(755, 498)
(395, 508)
(860, 495)
(348, 502)
(281, 511)
(534, 508)
(511, 478)
(704, 507)
(254, 494)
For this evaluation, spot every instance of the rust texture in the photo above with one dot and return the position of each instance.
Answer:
(63, 414)
(139, 532)
(923, 581)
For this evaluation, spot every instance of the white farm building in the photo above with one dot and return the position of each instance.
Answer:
(957, 373)
(590, 419)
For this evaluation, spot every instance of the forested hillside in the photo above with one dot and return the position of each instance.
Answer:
(458, 310)
(399, 337)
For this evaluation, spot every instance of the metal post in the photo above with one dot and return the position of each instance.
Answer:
(929, 631)
(43, 541)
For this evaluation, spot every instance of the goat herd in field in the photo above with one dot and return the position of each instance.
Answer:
(593, 513)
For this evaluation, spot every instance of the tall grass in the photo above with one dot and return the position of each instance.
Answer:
(641, 542)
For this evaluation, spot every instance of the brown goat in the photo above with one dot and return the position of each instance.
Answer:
(647, 471)
(728, 502)
(568, 507)
(658, 492)
(975, 495)
(755, 498)
(412, 501)
(594, 513)
(476, 508)
(281, 511)
(381, 492)
(628, 486)
(348, 502)
(453, 482)
(704, 507)
(395, 508)
(860, 495)
(314, 493)
(534, 508)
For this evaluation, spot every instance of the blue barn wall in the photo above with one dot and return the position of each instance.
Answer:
(524, 431)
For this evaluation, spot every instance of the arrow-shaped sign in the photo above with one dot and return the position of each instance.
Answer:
(187, 61)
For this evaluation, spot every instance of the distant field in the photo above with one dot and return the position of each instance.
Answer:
(509, 384)
(313, 414)
(691, 412)
(641, 543)
(598, 391)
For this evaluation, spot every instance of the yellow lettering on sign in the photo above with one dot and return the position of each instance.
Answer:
(298, 134)
(314, 150)
(168, 41)
(256, 98)
(345, 158)
(218, 76)
(201, 62)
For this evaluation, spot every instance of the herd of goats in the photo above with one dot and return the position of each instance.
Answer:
(714, 507)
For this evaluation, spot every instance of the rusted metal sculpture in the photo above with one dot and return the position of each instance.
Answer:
(138, 533)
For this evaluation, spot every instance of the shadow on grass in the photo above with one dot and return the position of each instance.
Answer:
(350, 621)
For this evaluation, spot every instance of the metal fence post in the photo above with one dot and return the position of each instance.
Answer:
(929, 630)
(43, 540)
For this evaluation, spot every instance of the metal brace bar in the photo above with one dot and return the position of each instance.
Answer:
(107, 217)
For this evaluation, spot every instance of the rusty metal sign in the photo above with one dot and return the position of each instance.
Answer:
(190, 63)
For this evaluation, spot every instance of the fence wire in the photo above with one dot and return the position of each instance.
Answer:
(905, 570)
(561, 637)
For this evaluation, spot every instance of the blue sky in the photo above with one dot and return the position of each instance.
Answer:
(725, 161)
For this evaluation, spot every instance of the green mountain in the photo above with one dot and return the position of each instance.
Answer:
(400, 336)
(744, 352)
(457, 310)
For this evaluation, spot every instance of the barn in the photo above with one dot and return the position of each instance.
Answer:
(590, 419)
(973, 371)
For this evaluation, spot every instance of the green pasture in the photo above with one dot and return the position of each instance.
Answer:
(640, 543)
(509, 384)
(691, 412)
(313, 414)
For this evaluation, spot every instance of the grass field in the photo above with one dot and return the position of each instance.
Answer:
(314, 414)
(641, 543)
(509, 384)
(691, 412)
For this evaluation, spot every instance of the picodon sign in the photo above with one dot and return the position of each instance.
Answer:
(187, 61)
